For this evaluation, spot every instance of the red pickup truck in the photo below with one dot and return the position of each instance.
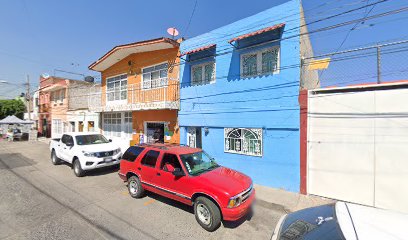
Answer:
(191, 176)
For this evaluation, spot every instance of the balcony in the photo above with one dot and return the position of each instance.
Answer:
(162, 93)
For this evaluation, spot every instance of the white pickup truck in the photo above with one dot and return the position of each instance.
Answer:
(84, 151)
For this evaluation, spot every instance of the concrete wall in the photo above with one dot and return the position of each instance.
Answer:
(309, 78)
(268, 102)
(78, 94)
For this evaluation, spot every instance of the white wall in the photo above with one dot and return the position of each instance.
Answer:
(357, 147)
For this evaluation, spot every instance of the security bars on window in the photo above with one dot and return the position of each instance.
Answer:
(246, 141)
(203, 73)
(262, 62)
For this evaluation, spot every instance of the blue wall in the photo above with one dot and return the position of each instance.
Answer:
(267, 102)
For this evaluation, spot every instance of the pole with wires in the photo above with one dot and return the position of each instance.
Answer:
(378, 64)
(28, 97)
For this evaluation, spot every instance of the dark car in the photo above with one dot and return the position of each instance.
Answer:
(342, 221)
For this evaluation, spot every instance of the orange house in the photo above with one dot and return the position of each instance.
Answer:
(139, 98)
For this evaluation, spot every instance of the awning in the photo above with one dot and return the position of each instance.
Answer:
(264, 30)
(14, 120)
(198, 49)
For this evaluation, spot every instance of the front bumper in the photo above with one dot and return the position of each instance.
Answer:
(98, 162)
(233, 214)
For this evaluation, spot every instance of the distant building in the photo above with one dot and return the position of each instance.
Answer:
(63, 106)
(239, 94)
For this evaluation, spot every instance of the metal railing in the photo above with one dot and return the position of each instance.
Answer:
(160, 93)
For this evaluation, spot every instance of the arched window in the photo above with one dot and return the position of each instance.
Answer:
(247, 141)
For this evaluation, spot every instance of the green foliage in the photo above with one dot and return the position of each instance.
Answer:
(12, 107)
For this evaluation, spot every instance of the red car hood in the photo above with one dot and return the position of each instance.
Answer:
(227, 180)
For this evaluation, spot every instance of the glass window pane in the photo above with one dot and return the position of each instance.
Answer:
(249, 65)
(155, 75)
(197, 75)
(209, 72)
(163, 73)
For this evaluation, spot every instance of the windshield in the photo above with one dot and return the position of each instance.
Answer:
(91, 139)
(197, 163)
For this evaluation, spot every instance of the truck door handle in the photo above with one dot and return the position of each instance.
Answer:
(59, 145)
(139, 168)
(158, 174)
(65, 148)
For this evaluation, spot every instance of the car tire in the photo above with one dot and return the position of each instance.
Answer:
(207, 214)
(54, 159)
(135, 187)
(78, 171)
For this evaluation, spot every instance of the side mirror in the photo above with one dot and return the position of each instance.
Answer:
(69, 144)
(110, 140)
(178, 172)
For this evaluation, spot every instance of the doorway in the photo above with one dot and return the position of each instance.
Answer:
(154, 132)
(194, 139)
(80, 126)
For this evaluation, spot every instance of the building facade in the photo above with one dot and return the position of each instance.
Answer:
(139, 96)
(63, 107)
(239, 94)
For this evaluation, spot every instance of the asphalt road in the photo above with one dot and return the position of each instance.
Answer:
(41, 201)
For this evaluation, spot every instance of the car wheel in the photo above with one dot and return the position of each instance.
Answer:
(135, 187)
(78, 169)
(54, 159)
(207, 214)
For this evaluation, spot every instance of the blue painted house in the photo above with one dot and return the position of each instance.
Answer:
(239, 94)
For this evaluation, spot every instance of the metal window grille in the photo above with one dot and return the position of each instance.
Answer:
(246, 141)
(203, 73)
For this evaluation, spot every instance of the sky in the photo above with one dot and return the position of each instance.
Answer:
(45, 36)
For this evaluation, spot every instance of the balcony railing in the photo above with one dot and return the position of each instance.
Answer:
(162, 93)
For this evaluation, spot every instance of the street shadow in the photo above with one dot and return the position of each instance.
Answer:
(95, 172)
(14, 160)
(170, 202)
(190, 209)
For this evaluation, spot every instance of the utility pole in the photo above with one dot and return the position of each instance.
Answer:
(378, 65)
(28, 97)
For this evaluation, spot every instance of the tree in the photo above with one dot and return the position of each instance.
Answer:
(12, 107)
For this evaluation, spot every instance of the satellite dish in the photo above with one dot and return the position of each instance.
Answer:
(173, 32)
(45, 75)
(89, 79)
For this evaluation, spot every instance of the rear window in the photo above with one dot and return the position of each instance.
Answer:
(150, 158)
(132, 153)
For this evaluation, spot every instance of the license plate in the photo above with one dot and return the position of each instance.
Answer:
(107, 159)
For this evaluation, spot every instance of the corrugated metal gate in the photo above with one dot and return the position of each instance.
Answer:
(358, 145)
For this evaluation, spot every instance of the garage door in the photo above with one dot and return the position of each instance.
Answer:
(358, 145)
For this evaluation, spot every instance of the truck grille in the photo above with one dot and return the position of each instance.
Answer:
(104, 154)
(245, 195)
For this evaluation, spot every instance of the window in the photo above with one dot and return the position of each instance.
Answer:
(132, 153)
(170, 162)
(247, 141)
(128, 124)
(91, 126)
(62, 95)
(55, 96)
(263, 62)
(112, 124)
(203, 73)
(116, 88)
(150, 158)
(57, 126)
(155, 76)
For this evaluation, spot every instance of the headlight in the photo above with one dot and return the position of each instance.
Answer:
(235, 202)
(116, 151)
(89, 154)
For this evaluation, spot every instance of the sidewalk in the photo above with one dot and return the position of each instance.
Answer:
(288, 201)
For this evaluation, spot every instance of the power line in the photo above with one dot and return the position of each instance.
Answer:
(191, 17)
